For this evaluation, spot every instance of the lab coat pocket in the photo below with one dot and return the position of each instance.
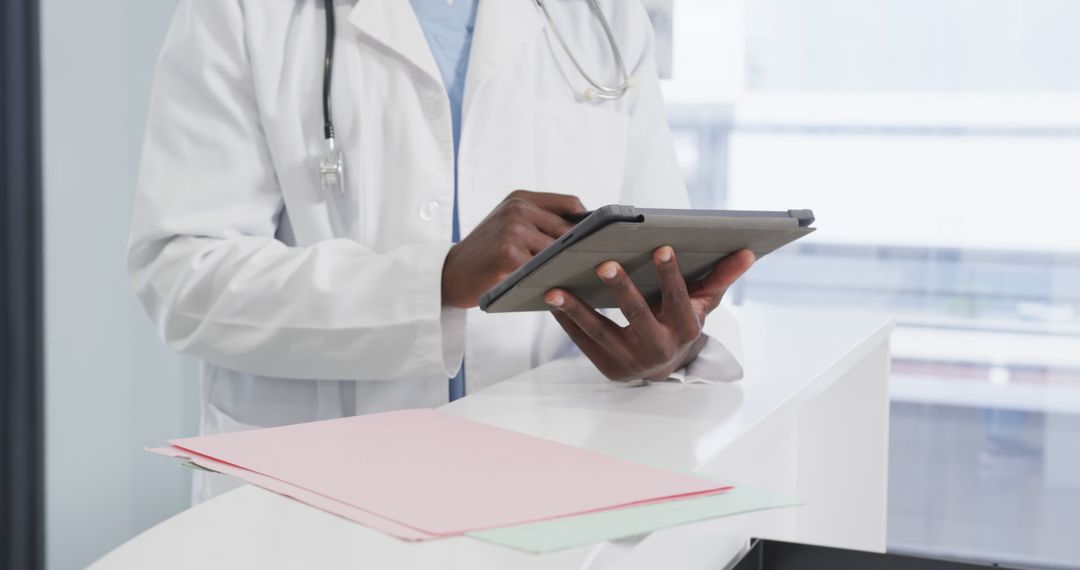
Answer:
(581, 150)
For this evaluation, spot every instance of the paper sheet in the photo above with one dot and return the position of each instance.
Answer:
(440, 475)
(559, 534)
(320, 502)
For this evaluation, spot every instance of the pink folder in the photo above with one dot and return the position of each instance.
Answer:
(420, 474)
(368, 519)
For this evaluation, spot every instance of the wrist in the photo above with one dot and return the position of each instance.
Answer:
(689, 354)
(693, 351)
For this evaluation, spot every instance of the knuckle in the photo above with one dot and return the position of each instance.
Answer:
(519, 258)
(514, 231)
(677, 298)
(599, 335)
(507, 250)
(636, 310)
(516, 206)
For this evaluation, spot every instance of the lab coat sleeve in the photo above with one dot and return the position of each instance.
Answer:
(721, 359)
(653, 178)
(203, 256)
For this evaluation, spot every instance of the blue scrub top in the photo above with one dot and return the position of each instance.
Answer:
(448, 26)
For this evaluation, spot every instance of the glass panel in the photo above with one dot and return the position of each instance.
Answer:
(937, 143)
(913, 45)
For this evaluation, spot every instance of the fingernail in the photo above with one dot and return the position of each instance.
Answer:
(665, 253)
(608, 270)
(556, 300)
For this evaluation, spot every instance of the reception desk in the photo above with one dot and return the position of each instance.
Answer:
(809, 420)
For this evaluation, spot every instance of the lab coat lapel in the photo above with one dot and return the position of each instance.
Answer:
(393, 24)
(501, 27)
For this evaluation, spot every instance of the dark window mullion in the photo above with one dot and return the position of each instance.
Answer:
(21, 338)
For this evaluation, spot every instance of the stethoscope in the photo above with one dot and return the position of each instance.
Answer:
(332, 167)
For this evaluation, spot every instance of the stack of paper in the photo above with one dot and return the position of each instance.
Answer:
(421, 474)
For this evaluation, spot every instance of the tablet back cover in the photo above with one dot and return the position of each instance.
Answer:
(700, 240)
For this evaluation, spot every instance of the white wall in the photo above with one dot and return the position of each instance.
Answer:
(111, 388)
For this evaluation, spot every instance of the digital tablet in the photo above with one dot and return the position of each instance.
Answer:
(629, 235)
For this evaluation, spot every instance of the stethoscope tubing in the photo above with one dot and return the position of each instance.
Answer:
(332, 168)
(328, 71)
(600, 90)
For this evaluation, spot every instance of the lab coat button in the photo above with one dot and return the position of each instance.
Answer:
(428, 210)
(432, 108)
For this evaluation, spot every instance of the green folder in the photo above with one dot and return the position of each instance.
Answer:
(581, 530)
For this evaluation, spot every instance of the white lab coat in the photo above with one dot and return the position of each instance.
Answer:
(305, 305)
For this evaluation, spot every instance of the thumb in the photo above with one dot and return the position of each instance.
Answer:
(726, 272)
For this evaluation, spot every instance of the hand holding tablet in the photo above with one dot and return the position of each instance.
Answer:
(629, 236)
(623, 257)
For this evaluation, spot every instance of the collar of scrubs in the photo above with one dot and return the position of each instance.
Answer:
(448, 27)
(503, 25)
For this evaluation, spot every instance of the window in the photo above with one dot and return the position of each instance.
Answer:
(937, 142)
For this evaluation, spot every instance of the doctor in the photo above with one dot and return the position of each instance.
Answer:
(310, 293)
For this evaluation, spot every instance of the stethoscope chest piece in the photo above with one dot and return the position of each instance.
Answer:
(332, 170)
(332, 167)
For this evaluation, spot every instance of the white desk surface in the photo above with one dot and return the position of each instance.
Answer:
(790, 356)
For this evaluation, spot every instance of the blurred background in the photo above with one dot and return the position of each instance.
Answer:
(938, 142)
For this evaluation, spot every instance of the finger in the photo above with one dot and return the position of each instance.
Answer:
(551, 224)
(537, 241)
(613, 367)
(558, 204)
(724, 273)
(521, 209)
(511, 256)
(519, 231)
(582, 340)
(599, 356)
(630, 301)
(597, 327)
(675, 306)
